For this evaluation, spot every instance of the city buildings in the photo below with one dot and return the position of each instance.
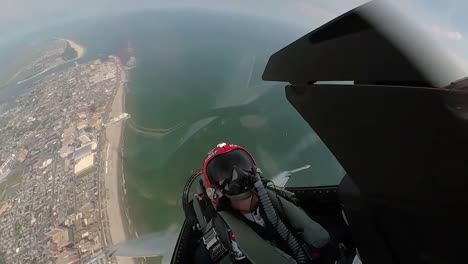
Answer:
(51, 141)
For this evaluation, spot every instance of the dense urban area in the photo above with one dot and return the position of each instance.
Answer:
(50, 156)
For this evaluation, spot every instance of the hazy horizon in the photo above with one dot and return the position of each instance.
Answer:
(444, 22)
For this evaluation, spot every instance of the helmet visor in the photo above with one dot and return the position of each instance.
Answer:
(221, 167)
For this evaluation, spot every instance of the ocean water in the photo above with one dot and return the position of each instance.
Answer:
(197, 83)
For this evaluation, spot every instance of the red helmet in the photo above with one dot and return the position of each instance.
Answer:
(218, 165)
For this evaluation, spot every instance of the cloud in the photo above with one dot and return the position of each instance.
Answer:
(440, 32)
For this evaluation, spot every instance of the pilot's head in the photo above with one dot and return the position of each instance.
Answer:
(227, 171)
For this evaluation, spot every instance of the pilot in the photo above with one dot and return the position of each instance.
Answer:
(234, 183)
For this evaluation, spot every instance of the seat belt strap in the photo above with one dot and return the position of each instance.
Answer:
(213, 243)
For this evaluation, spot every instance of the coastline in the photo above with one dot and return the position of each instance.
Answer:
(80, 51)
(113, 169)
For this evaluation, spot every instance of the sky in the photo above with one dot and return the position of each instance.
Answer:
(23, 12)
(27, 15)
(445, 17)
(445, 20)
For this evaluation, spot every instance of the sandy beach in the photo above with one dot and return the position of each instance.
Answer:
(113, 170)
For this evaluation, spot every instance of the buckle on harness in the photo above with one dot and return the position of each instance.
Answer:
(214, 245)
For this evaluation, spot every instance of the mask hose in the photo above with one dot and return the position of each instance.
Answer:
(281, 229)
